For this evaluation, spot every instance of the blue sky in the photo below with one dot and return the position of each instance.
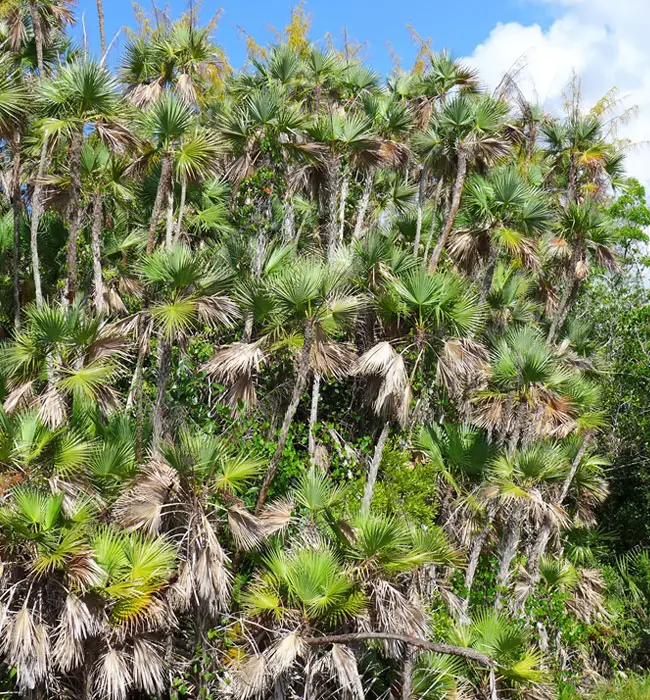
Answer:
(458, 26)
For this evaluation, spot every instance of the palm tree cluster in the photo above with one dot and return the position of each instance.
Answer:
(238, 306)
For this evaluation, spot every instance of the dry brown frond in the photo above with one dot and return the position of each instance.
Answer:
(52, 409)
(112, 674)
(329, 358)
(217, 310)
(245, 528)
(276, 516)
(148, 667)
(345, 664)
(250, 678)
(19, 397)
(282, 655)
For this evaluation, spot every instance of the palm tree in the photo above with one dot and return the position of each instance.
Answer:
(81, 96)
(504, 214)
(100, 19)
(184, 287)
(586, 236)
(166, 122)
(309, 298)
(467, 130)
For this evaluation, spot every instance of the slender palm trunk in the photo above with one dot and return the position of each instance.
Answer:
(164, 184)
(96, 245)
(434, 222)
(507, 554)
(343, 198)
(38, 35)
(288, 219)
(422, 189)
(331, 180)
(369, 490)
(169, 228)
(313, 414)
(368, 183)
(569, 293)
(160, 408)
(544, 534)
(100, 18)
(16, 202)
(181, 210)
(493, 257)
(475, 556)
(73, 213)
(37, 208)
(461, 172)
(298, 389)
(407, 673)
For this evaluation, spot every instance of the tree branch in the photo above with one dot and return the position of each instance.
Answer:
(437, 647)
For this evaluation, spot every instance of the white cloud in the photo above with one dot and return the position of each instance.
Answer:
(605, 42)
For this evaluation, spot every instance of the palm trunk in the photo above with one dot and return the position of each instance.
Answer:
(38, 35)
(73, 213)
(298, 389)
(181, 211)
(507, 554)
(369, 490)
(331, 180)
(288, 219)
(160, 409)
(368, 183)
(37, 206)
(96, 244)
(343, 198)
(17, 211)
(100, 18)
(493, 257)
(421, 194)
(434, 222)
(313, 414)
(169, 229)
(163, 186)
(474, 558)
(461, 171)
(407, 673)
(563, 308)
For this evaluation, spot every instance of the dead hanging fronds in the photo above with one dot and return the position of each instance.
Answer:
(463, 366)
(330, 358)
(238, 366)
(347, 671)
(276, 516)
(245, 528)
(250, 679)
(141, 506)
(389, 387)
(148, 667)
(112, 674)
(282, 655)
(76, 624)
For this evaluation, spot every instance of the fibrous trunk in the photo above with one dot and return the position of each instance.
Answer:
(369, 490)
(506, 555)
(181, 211)
(313, 414)
(73, 213)
(38, 35)
(37, 208)
(368, 183)
(461, 171)
(96, 244)
(160, 409)
(298, 389)
(474, 557)
(421, 194)
(164, 183)
(17, 212)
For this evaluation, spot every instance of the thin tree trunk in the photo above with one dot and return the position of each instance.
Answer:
(17, 212)
(288, 219)
(507, 554)
(563, 308)
(313, 414)
(73, 213)
(38, 35)
(331, 180)
(100, 18)
(475, 556)
(343, 198)
(368, 183)
(156, 212)
(96, 244)
(421, 194)
(181, 211)
(298, 389)
(160, 409)
(461, 171)
(37, 207)
(169, 229)
(369, 490)
(544, 534)
(407, 673)
(493, 257)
